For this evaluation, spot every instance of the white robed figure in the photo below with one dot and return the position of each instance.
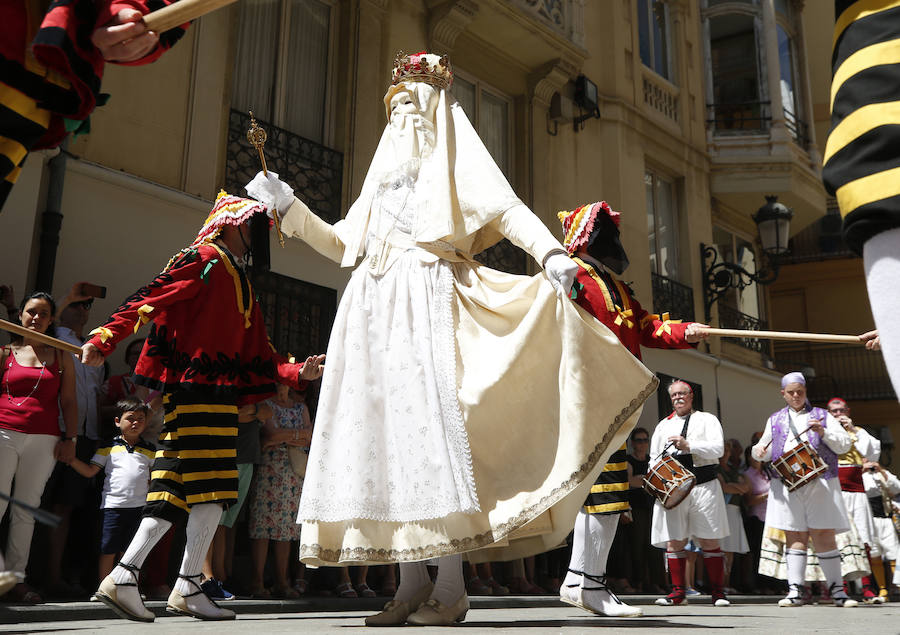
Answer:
(462, 408)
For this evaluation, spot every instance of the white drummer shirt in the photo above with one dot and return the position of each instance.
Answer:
(816, 505)
(704, 436)
(835, 437)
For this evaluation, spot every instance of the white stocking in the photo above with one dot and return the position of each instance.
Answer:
(579, 545)
(602, 533)
(830, 562)
(201, 526)
(881, 255)
(413, 576)
(449, 585)
(796, 570)
(149, 532)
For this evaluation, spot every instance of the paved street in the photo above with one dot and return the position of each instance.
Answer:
(512, 615)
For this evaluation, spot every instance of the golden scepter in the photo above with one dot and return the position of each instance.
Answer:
(257, 138)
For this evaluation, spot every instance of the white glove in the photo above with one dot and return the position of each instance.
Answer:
(271, 191)
(561, 272)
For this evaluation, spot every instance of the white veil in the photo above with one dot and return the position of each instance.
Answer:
(466, 189)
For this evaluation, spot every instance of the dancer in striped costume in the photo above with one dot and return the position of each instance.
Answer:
(862, 156)
(592, 240)
(208, 352)
(52, 55)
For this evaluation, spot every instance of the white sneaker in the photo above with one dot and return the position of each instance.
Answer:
(721, 602)
(845, 602)
(599, 601)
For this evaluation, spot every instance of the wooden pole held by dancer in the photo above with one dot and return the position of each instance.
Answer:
(784, 335)
(180, 12)
(40, 337)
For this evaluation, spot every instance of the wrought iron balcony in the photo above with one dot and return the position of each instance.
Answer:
(504, 256)
(314, 171)
(853, 373)
(745, 118)
(672, 297)
(798, 128)
(731, 318)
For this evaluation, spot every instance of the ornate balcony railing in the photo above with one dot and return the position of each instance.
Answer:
(504, 256)
(731, 318)
(851, 373)
(745, 118)
(798, 128)
(660, 95)
(672, 297)
(564, 16)
(314, 171)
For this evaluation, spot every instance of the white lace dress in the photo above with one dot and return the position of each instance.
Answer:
(393, 445)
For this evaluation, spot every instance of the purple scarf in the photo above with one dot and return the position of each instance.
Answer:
(781, 428)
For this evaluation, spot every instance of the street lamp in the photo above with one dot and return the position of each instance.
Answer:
(773, 222)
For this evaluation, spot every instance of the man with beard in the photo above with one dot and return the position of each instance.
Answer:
(816, 510)
(208, 352)
(695, 439)
(437, 364)
(592, 240)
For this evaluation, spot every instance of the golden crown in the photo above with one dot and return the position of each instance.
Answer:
(422, 67)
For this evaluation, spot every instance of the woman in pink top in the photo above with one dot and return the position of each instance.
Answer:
(755, 502)
(36, 382)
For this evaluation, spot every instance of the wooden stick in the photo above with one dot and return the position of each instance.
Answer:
(18, 329)
(180, 12)
(785, 335)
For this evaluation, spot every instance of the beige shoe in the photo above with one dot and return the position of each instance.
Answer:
(396, 611)
(8, 580)
(433, 613)
(108, 594)
(177, 603)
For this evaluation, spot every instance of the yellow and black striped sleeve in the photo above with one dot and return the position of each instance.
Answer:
(609, 494)
(862, 155)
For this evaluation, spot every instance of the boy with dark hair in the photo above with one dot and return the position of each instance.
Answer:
(126, 459)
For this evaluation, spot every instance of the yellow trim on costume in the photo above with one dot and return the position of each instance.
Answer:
(196, 454)
(103, 332)
(143, 311)
(236, 277)
(858, 123)
(203, 476)
(169, 498)
(211, 431)
(858, 10)
(665, 326)
(166, 475)
(194, 499)
(868, 189)
(879, 54)
(200, 408)
(103, 451)
(602, 488)
(47, 74)
(610, 305)
(168, 436)
(13, 150)
(624, 316)
(615, 467)
(13, 175)
(23, 105)
(609, 507)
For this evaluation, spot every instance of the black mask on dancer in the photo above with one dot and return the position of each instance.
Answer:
(604, 245)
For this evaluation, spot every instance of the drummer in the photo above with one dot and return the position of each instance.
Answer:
(814, 510)
(695, 438)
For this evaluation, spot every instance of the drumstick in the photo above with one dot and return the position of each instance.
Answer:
(180, 12)
(798, 436)
(18, 329)
(784, 335)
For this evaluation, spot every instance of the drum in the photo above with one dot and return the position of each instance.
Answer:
(799, 465)
(669, 481)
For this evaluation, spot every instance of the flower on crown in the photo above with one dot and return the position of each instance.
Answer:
(422, 67)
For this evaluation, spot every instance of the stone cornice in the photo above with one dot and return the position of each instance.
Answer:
(549, 79)
(446, 20)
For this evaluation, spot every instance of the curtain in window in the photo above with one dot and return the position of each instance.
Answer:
(661, 224)
(307, 68)
(786, 63)
(493, 127)
(465, 94)
(257, 52)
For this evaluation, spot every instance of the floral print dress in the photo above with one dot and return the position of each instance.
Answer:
(275, 495)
